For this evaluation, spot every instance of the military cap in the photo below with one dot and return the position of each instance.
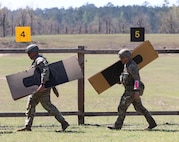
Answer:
(125, 53)
(32, 48)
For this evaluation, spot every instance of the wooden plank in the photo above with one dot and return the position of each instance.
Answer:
(74, 50)
(88, 114)
(81, 89)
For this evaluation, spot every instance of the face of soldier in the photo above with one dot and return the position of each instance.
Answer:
(32, 55)
(125, 60)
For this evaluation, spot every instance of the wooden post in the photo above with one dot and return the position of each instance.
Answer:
(81, 90)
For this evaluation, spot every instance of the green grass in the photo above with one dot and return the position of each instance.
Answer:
(94, 41)
(133, 131)
(161, 80)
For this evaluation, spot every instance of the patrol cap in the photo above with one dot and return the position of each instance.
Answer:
(32, 48)
(125, 53)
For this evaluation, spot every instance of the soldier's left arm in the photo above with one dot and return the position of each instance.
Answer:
(42, 65)
(134, 71)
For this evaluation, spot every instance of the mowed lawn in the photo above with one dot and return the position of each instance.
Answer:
(161, 78)
(94, 41)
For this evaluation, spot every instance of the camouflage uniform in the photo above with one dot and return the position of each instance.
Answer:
(41, 64)
(128, 77)
(43, 97)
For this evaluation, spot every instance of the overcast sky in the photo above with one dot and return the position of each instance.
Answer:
(15, 4)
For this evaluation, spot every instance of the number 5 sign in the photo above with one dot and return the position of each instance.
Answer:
(23, 34)
(137, 34)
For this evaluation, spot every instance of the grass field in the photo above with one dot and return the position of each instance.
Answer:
(94, 41)
(161, 78)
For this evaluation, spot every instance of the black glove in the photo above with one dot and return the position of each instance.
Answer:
(55, 91)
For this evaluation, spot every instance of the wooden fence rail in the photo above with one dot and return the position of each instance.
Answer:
(89, 114)
(81, 51)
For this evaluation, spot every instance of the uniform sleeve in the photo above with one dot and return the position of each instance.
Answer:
(42, 64)
(134, 72)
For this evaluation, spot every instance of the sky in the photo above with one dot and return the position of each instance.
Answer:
(42, 4)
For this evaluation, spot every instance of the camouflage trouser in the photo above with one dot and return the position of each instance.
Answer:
(44, 99)
(125, 101)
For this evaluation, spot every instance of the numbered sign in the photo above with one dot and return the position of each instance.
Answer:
(23, 34)
(137, 34)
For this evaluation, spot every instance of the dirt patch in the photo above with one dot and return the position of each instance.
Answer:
(1, 55)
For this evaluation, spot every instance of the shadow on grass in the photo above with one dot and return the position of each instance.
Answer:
(157, 129)
(5, 132)
(40, 128)
(166, 127)
(70, 131)
(153, 130)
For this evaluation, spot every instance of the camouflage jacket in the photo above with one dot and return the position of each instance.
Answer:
(41, 64)
(129, 75)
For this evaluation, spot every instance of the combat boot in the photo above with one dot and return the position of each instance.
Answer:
(24, 129)
(64, 125)
(151, 126)
(151, 122)
(116, 126)
(113, 128)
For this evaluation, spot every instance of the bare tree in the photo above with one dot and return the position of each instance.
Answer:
(31, 15)
(4, 21)
(170, 21)
(22, 17)
(141, 20)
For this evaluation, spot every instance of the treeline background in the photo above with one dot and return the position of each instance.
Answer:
(89, 19)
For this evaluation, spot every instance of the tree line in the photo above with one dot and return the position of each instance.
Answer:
(89, 19)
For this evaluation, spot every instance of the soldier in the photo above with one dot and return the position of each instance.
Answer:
(42, 94)
(134, 88)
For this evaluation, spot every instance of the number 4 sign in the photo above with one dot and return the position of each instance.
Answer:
(23, 34)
